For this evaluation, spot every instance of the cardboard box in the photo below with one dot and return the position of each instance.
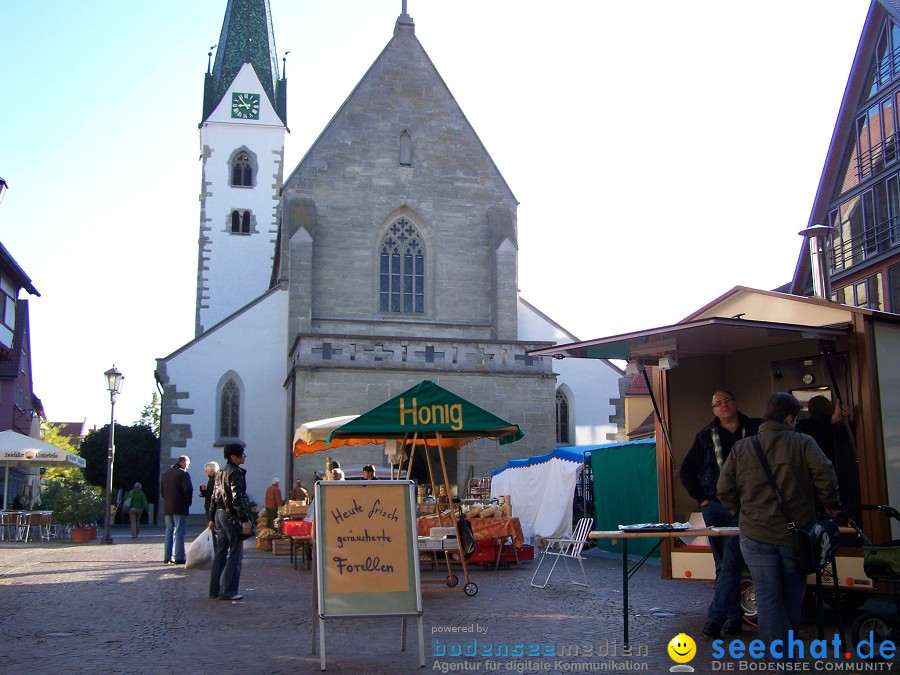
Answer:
(296, 528)
(430, 544)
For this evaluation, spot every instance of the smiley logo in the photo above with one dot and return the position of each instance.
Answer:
(682, 648)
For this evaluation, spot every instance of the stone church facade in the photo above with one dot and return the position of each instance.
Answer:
(390, 256)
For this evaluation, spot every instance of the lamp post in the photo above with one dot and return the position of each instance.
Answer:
(4, 186)
(114, 381)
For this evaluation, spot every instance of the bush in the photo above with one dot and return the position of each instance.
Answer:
(74, 503)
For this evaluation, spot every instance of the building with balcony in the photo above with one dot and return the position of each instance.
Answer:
(859, 191)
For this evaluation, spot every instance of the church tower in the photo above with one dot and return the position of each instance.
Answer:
(242, 144)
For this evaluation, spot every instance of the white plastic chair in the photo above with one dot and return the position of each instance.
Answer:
(567, 548)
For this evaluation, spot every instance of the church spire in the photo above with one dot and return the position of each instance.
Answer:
(247, 37)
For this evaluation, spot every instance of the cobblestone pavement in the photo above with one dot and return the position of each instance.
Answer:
(90, 608)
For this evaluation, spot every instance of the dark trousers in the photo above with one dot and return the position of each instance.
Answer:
(226, 569)
(726, 601)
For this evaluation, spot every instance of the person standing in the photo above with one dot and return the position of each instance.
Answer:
(699, 474)
(139, 504)
(228, 509)
(206, 490)
(299, 493)
(273, 501)
(177, 491)
(802, 473)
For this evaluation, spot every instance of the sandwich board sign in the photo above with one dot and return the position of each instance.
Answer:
(367, 561)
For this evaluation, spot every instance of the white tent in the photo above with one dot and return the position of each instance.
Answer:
(26, 452)
(541, 490)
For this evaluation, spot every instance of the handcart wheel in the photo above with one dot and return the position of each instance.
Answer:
(471, 588)
(748, 600)
(877, 624)
(452, 580)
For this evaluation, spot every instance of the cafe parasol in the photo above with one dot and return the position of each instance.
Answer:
(19, 450)
(426, 414)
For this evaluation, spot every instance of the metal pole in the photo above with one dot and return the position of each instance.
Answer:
(107, 539)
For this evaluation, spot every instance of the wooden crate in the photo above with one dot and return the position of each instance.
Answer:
(281, 546)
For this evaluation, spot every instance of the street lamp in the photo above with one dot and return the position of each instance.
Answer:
(4, 186)
(114, 381)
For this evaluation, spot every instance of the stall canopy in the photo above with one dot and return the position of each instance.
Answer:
(18, 450)
(428, 410)
(541, 490)
(311, 436)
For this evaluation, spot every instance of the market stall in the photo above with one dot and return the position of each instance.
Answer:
(541, 489)
(425, 415)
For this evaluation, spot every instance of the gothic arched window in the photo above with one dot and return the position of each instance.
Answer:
(405, 149)
(229, 411)
(240, 222)
(242, 170)
(562, 417)
(402, 270)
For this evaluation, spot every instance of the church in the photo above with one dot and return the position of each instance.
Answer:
(387, 256)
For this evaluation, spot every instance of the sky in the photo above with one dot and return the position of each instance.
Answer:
(662, 153)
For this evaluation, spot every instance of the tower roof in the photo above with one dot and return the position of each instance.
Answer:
(247, 37)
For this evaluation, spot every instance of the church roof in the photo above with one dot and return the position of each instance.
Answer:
(247, 37)
(406, 84)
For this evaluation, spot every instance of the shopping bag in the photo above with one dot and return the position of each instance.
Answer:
(200, 553)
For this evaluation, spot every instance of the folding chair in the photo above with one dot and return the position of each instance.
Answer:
(566, 548)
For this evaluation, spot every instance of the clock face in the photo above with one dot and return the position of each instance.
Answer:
(245, 106)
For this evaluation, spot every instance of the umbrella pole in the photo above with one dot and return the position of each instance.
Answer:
(462, 557)
(434, 493)
(412, 453)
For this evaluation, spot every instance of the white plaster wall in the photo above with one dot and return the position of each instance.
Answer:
(593, 382)
(239, 266)
(253, 344)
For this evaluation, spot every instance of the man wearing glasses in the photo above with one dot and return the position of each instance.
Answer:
(700, 473)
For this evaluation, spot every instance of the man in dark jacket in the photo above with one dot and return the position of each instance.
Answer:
(803, 475)
(176, 490)
(700, 473)
(228, 509)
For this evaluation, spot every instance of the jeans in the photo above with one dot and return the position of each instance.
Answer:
(174, 547)
(779, 589)
(726, 601)
(226, 569)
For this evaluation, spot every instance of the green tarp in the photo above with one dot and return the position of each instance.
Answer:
(625, 491)
(427, 409)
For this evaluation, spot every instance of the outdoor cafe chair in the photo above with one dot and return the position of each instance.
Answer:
(39, 520)
(565, 548)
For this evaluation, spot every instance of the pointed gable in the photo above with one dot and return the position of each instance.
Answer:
(247, 37)
(859, 190)
(402, 93)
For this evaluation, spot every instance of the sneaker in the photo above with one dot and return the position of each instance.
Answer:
(179, 562)
(168, 562)
(712, 629)
(732, 627)
(231, 597)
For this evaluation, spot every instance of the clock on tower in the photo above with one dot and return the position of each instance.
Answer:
(245, 106)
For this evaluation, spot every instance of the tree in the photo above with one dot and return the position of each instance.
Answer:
(50, 434)
(150, 415)
(136, 459)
